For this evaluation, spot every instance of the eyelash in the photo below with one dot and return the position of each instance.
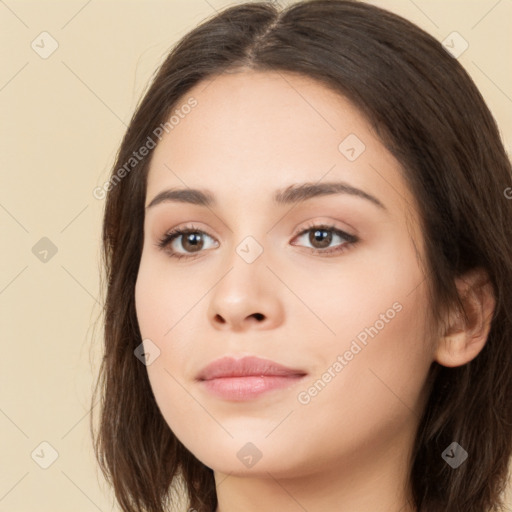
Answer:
(351, 240)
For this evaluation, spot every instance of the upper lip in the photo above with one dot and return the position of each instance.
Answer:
(244, 367)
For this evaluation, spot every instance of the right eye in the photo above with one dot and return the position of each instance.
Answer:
(190, 238)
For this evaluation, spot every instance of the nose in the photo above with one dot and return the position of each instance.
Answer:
(245, 298)
(258, 318)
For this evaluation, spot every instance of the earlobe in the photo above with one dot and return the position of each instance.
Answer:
(464, 338)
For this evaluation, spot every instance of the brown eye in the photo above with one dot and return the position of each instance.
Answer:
(181, 243)
(321, 236)
(192, 242)
(189, 242)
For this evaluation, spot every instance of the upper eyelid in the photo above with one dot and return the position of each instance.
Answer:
(176, 233)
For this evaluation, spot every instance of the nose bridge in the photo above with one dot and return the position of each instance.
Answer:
(247, 289)
(249, 230)
(247, 261)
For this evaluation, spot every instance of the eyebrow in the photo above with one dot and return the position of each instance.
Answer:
(292, 194)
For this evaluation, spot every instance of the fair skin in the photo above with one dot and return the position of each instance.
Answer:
(348, 448)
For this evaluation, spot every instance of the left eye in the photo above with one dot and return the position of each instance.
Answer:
(192, 240)
(321, 236)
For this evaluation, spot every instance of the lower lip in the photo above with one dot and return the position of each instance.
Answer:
(246, 388)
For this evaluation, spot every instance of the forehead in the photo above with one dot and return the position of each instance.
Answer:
(253, 132)
(262, 114)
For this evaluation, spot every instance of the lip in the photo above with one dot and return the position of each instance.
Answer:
(246, 378)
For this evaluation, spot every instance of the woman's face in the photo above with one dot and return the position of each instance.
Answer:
(346, 310)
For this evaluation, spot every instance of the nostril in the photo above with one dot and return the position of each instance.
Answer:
(258, 316)
(220, 319)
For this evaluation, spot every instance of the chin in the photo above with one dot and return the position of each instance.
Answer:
(247, 458)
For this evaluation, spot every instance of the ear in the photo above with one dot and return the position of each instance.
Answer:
(462, 340)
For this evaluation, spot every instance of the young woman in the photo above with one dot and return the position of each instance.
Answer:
(308, 253)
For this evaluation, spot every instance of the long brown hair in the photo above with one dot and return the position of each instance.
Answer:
(431, 117)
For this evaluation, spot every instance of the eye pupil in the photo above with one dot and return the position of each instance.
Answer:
(194, 240)
(319, 236)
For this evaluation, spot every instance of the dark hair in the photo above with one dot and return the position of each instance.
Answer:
(431, 117)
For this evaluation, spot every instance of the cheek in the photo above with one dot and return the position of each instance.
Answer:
(162, 299)
(361, 402)
(375, 360)
(374, 369)
(156, 307)
(372, 288)
(152, 293)
(381, 361)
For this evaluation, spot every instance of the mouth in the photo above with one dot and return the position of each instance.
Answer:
(246, 378)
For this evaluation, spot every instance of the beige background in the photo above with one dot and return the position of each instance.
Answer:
(61, 123)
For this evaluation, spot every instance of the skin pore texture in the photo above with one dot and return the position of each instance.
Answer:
(345, 446)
